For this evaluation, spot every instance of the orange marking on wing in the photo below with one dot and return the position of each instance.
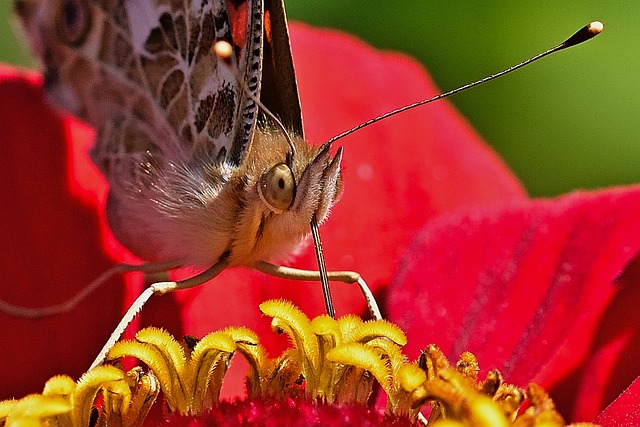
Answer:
(267, 27)
(238, 17)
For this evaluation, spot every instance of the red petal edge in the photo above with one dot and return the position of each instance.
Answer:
(624, 411)
(541, 290)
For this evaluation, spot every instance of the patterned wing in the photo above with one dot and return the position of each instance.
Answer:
(142, 73)
(174, 126)
(279, 88)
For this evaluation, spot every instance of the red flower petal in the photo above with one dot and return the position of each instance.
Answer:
(51, 244)
(289, 412)
(624, 411)
(537, 289)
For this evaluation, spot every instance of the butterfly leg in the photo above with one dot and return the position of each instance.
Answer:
(340, 276)
(71, 303)
(159, 288)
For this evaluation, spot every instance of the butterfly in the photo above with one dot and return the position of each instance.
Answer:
(198, 175)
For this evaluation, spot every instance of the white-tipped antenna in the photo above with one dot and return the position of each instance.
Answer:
(585, 33)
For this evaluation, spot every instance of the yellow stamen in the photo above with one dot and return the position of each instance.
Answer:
(334, 361)
(296, 324)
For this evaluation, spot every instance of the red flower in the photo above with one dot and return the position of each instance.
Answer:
(399, 175)
(294, 413)
(549, 290)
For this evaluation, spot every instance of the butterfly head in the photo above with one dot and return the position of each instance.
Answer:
(319, 184)
(283, 189)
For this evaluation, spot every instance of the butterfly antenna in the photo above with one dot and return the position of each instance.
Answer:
(224, 51)
(585, 33)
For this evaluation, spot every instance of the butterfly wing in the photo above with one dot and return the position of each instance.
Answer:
(143, 74)
(279, 87)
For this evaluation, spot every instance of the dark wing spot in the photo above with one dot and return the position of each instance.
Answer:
(155, 41)
(220, 20)
(162, 38)
(171, 87)
(51, 78)
(193, 40)
(181, 35)
(166, 23)
(157, 68)
(133, 72)
(119, 14)
(207, 37)
(186, 134)
(204, 111)
(137, 141)
(223, 114)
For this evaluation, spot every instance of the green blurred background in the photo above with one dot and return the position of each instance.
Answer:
(570, 121)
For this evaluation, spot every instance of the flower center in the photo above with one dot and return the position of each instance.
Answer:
(334, 366)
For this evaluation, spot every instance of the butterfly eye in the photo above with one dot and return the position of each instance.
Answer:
(277, 188)
(74, 21)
